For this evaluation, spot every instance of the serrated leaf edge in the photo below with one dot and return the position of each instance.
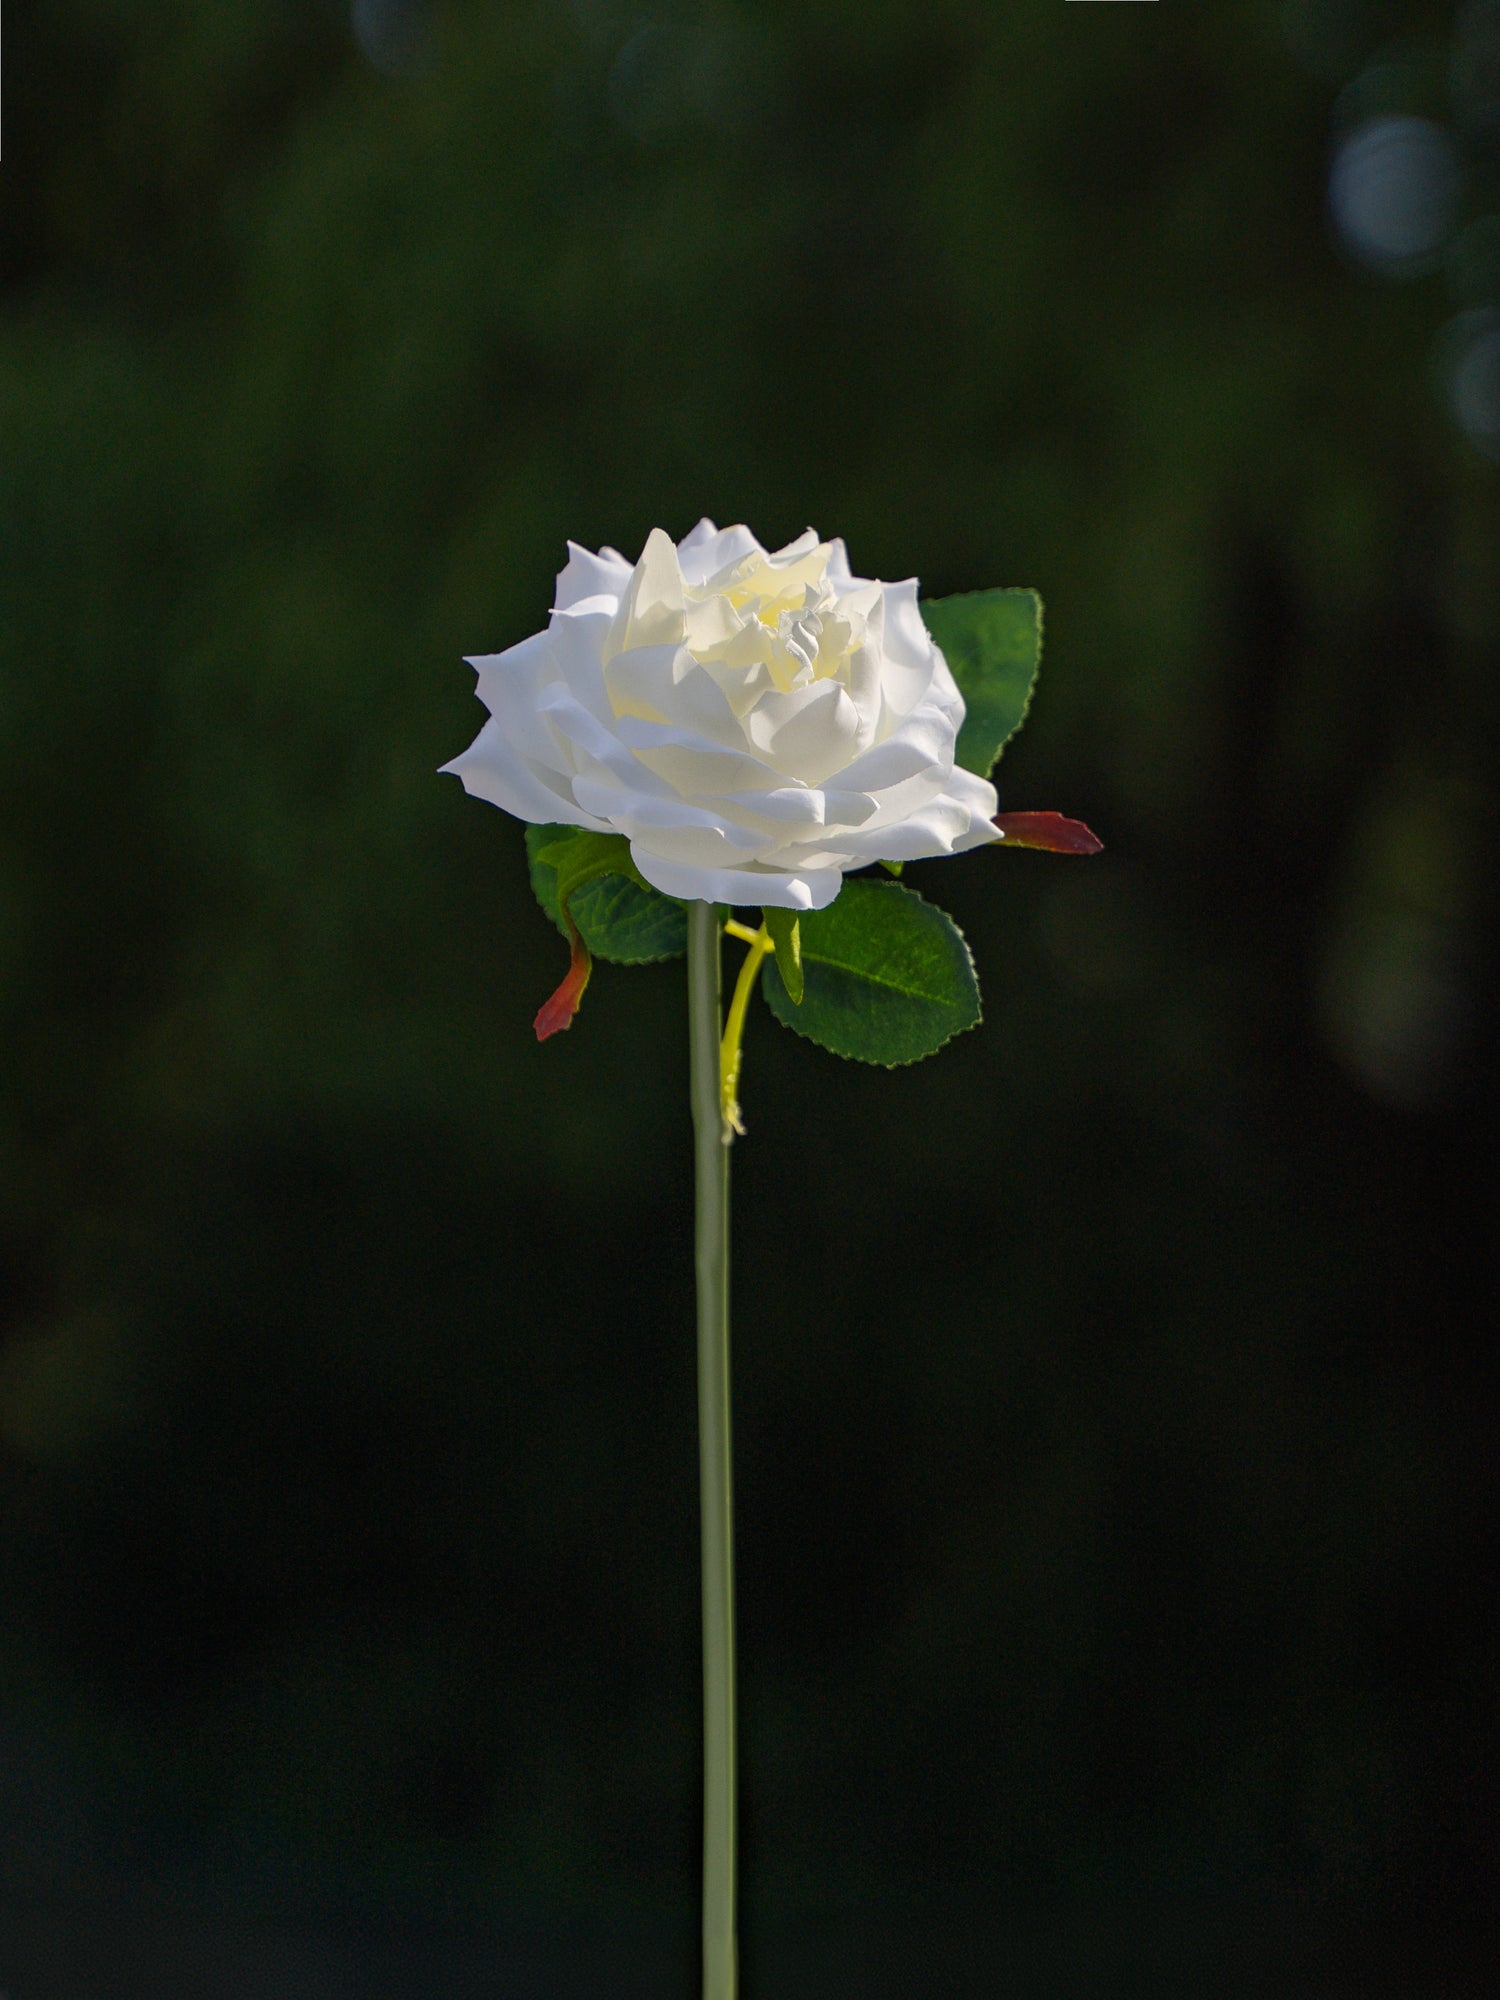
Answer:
(874, 1062)
(538, 860)
(651, 958)
(1036, 675)
(1028, 590)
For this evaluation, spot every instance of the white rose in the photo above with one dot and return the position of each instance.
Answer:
(754, 724)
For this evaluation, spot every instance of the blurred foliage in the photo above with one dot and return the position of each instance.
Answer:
(1115, 1393)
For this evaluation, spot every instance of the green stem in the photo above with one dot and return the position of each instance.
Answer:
(711, 1158)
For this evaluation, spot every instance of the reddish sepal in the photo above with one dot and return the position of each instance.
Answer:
(1048, 830)
(557, 1013)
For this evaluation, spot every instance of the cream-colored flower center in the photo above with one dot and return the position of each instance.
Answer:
(766, 626)
(765, 632)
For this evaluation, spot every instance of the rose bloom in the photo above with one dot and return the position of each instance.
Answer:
(753, 724)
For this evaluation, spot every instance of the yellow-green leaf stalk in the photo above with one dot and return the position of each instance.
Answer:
(734, 1028)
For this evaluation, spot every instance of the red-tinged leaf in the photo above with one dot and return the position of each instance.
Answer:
(557, 1013)
(1048, 830)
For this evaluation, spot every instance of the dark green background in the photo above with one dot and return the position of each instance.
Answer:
(1115, 1394)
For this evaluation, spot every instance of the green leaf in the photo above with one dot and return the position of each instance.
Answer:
(786, 935)
(621, 917)
(992, 640)
(584, 857)
(887, 978)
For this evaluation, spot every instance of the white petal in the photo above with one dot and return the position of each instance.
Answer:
(492, 768)
(933, 829)
(588, 575)
(909, 654)
(979, 795)
(594, 749)
(743, 686)
(692, 765)
(795, 809)
(707, 550)
(651, 609)
(804, 545)
(922, 745)
(823, 738)
(865, 690)
(781, 816)
(783, 889)
(693, 846)
(665, 684)
(630, 810)
(901, 801)
(844, 810)
(510, 685)
(578, 640)
(809, 732)
(957, 819)
(839, 573)
(713, 624)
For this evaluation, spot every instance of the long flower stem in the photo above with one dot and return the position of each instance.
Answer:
(711, 1240)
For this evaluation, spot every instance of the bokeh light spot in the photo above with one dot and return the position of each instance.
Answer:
(1393, 190)
(1473, 341)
